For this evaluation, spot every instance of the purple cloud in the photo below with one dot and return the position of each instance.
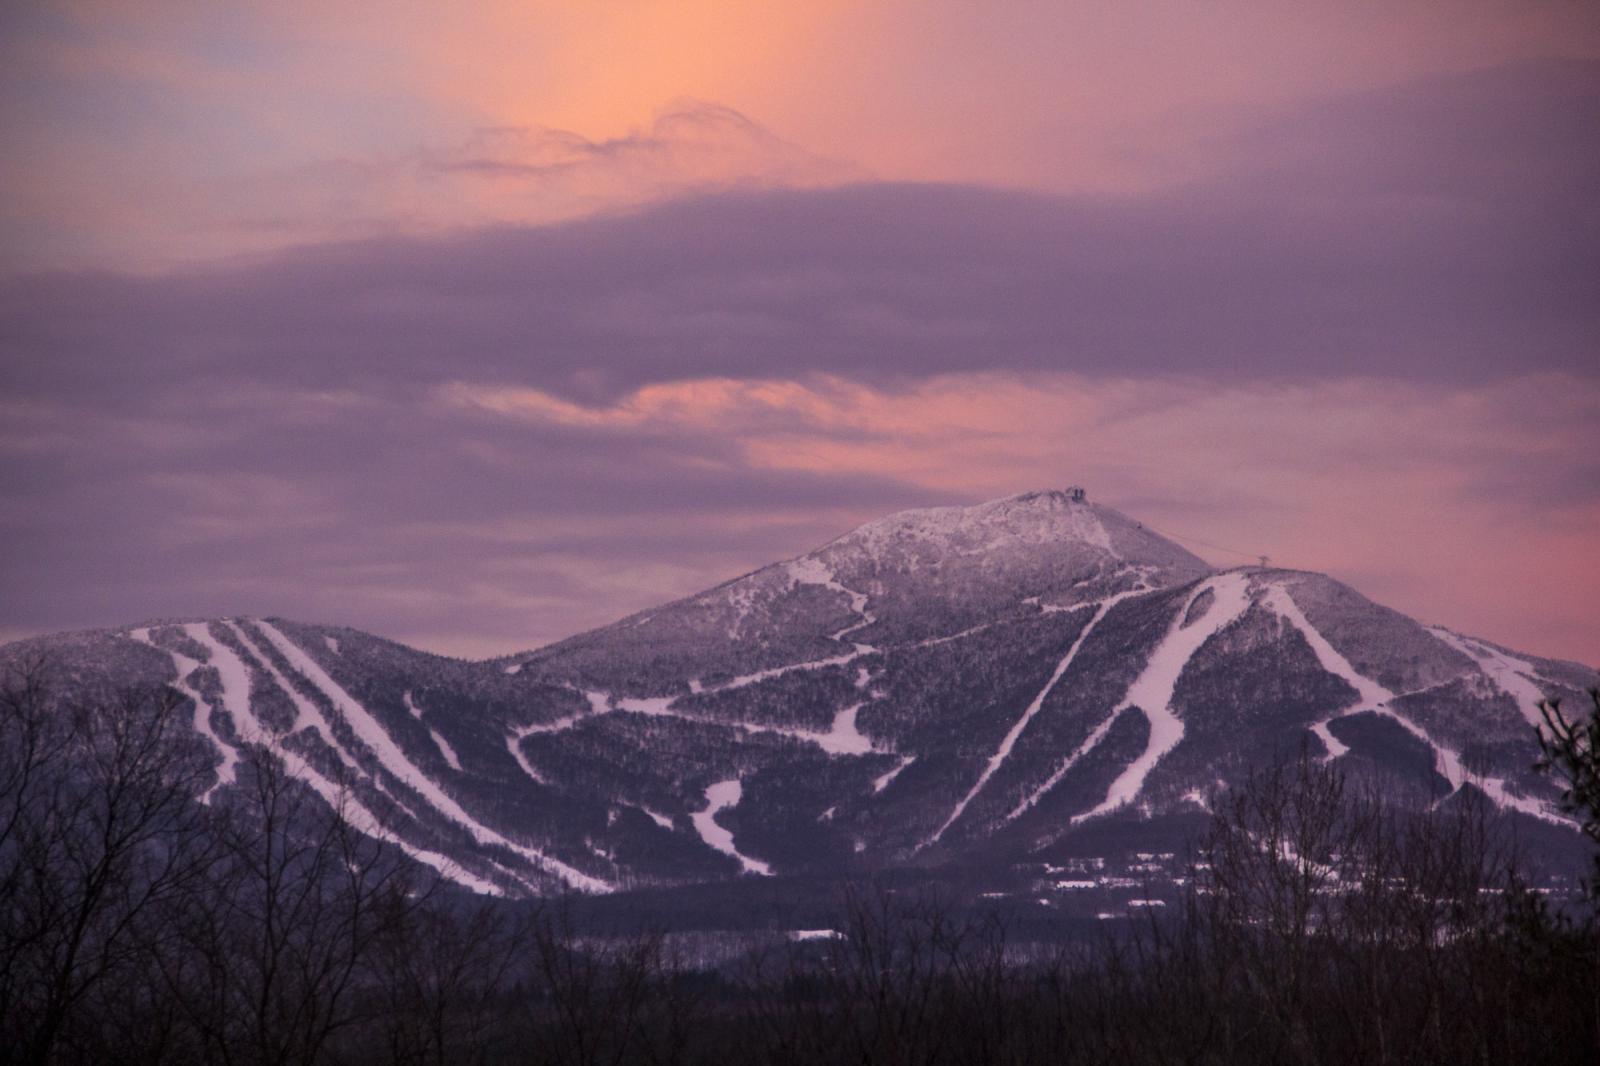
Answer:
(269, 435)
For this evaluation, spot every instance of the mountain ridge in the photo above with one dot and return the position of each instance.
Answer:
(937, 688)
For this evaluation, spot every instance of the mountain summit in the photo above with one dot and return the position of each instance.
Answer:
(910, 576)
(1034, 680)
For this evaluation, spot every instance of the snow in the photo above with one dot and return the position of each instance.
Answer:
(1333, 744)
(389, 755)
(1086, 526)
(883, 781)
(742, 600)
(842, 738)
(364, 821)
(778, 671)
(1153, 689)
(934, 642)
(660, 819)
(235, 675)
(439, 742)
(1010, 739)
(512, 668)
(719, 797)
(235, 679)
(815, 934)
(236, 700)
(1088, 745)
(1372, 696)
(1510, 674)
(514, 746)
(810, 570)
(304, 708)
(1028, 518)
(332, 643)
(227, 770)
(655, 706)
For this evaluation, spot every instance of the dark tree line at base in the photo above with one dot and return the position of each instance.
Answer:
(1319, 925)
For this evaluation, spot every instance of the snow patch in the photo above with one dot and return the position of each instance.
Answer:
(1333, 744)
(843, 738)
(883, 781)
(660, 819)
(778, 671)
(439, 742)
(720, 797)
(514, 746)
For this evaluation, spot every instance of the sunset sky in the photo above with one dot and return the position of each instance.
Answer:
(476, 326)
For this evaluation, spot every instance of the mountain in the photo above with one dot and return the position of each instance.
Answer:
(1035, 683)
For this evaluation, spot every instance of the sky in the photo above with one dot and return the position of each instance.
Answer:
(477, 326)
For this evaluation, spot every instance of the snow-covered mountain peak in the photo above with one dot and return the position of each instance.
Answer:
(1034, 539)
(1029, 518)
(990, 687)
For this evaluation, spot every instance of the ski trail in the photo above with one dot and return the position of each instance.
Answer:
(514, 746)
(1067, 764)
(1335, 747)
(778, 671)
(719, 797)
(843, 737)
(227, 771)
(305, 710)
(1152, 691)
(655, 816)
(389, 755)
(813, 571)
(883, 781)
(1372, 696)
(364, 821)
(1010, 739)
(1509, 674)
(439, 742)
(236, 700)
(335, 793)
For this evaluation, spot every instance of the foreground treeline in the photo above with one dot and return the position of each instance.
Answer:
(1320, 925)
